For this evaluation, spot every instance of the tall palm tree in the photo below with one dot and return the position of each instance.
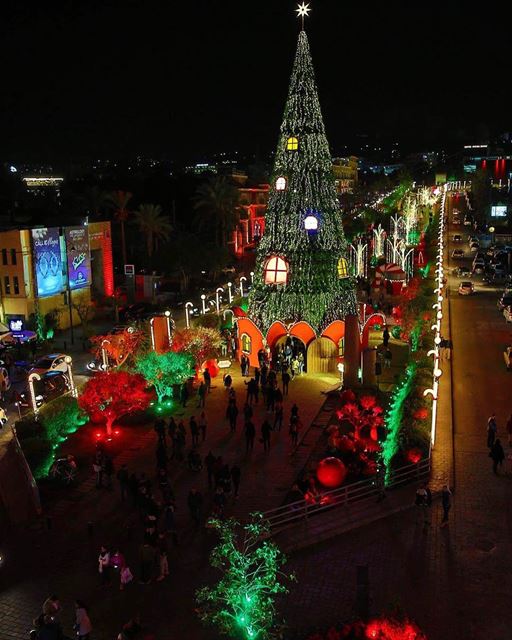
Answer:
(153, 224)
(217, 200)
(94, 201)
(119, 200)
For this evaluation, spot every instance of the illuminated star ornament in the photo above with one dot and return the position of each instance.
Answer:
(302, 12)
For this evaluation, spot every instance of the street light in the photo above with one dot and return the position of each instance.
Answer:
(252, 277)
(242, 280)
(230, 294)
(104, 355)
(188, 305)
(218, 291)
(203, 298)
(31, 378)
(69, 363)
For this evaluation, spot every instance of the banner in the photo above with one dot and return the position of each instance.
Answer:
(48, 261)
(79, 259)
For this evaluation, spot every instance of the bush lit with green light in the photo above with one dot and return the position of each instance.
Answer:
(163, 371)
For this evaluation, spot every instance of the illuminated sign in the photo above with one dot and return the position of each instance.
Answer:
(499, 211)
(16, 326)
(48, 261)
(79, 261)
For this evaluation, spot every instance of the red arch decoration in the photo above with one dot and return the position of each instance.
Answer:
(335, 331)
(245, 325)
(303, 331)
(370, 321)
(277, 330)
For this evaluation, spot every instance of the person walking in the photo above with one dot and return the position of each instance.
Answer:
(163, 561)
(123, 477)
(231, 415)
(423, 501)
(492, 430)
(98, 468)
(294, 430)
(446, 498)
(388, 357)
(194, 431)
(250, 433)
(83, 626)
(286, 381)
(209, 463)
(195, 502)
(509, 430)
(219, 502)
(169, 521)
(252, 391)
(278, 416)
(265, 434)
(201, 395)
(104, 568)
(133, 488)
(247, 411)
(385, 337)
(497, 454)
(207, 379)
(147, 556)
(235, 478)
(108, 470)
(184, 394)
(160, 430)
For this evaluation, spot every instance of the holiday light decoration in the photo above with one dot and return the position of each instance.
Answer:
(119, 346)
(312, 290)
(201, 343)
(242, 603)
(114, 395)
(165, 370)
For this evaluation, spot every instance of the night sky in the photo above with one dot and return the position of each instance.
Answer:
(182, 80)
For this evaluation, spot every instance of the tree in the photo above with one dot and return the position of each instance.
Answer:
(216, 203)
(120, 346)
(153, 225)
(119, 200)
(114, 395)
(201, 342)
(85, 311)
(300, 273)
(165, 370)
(242, 603)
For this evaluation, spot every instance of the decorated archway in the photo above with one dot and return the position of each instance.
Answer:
(323, 356)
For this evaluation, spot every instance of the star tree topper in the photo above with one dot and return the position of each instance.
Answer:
(303, 12)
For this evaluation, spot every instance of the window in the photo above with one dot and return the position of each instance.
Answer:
(311, 223)
(7, 286)
(281, 184)
(257, 230)
(13, 256)
(246, 343)
(341, 348)
(16, 285)
(276, 271)
(292, 144)
(4, 256)
(342, 268)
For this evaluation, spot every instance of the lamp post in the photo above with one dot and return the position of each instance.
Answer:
(167, 315)
(104, 355)
(242, 280)
(203, 298)
(69, 363)
(188, 305)
(217, 298)
(252, 277)
(230, 293)
(31, 378)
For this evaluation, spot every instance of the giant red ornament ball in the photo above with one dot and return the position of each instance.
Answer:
(331, 472)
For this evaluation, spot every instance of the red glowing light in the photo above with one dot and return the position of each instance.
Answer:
(98, 434)
(117, 432)
(414, 455)
(331, 472)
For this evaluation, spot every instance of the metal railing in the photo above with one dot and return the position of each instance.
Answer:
(293, 512)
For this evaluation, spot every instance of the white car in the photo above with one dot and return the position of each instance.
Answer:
(466, 288)
(507, 313)
(457, 238)
(51, 362)
(456, 221)
(457, 253)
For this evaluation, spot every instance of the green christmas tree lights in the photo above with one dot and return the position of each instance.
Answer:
(303, 222)
(165, 370)
(242, 603)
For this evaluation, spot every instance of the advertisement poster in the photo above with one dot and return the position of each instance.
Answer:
(48, 261)
(79, 260)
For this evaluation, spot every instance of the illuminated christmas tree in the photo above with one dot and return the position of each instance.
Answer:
(302, 271)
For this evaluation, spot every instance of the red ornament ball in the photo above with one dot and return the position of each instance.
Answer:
(331, 472)
(213, 367)
(414, 455)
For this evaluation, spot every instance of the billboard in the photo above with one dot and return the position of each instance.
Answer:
(499, 211)
(79, 257)
(48, 261)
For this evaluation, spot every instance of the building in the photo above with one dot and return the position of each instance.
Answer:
(51, 269)
(251, 218)
(345, 173)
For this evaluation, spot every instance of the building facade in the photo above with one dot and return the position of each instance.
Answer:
(345, 173)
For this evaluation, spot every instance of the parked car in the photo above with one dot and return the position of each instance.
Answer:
(507, 313)
(457, 237)
(466, 288)
(51, 362)
(467, 221)
(462, 272)
(455, 221)
(504, 301)
(457, 253)
(478, 265)
(52, 385)
(474, 246)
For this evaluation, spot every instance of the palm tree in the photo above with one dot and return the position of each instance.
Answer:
(217, 200)
(119, 200)
(94, 200)
(153, 224)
